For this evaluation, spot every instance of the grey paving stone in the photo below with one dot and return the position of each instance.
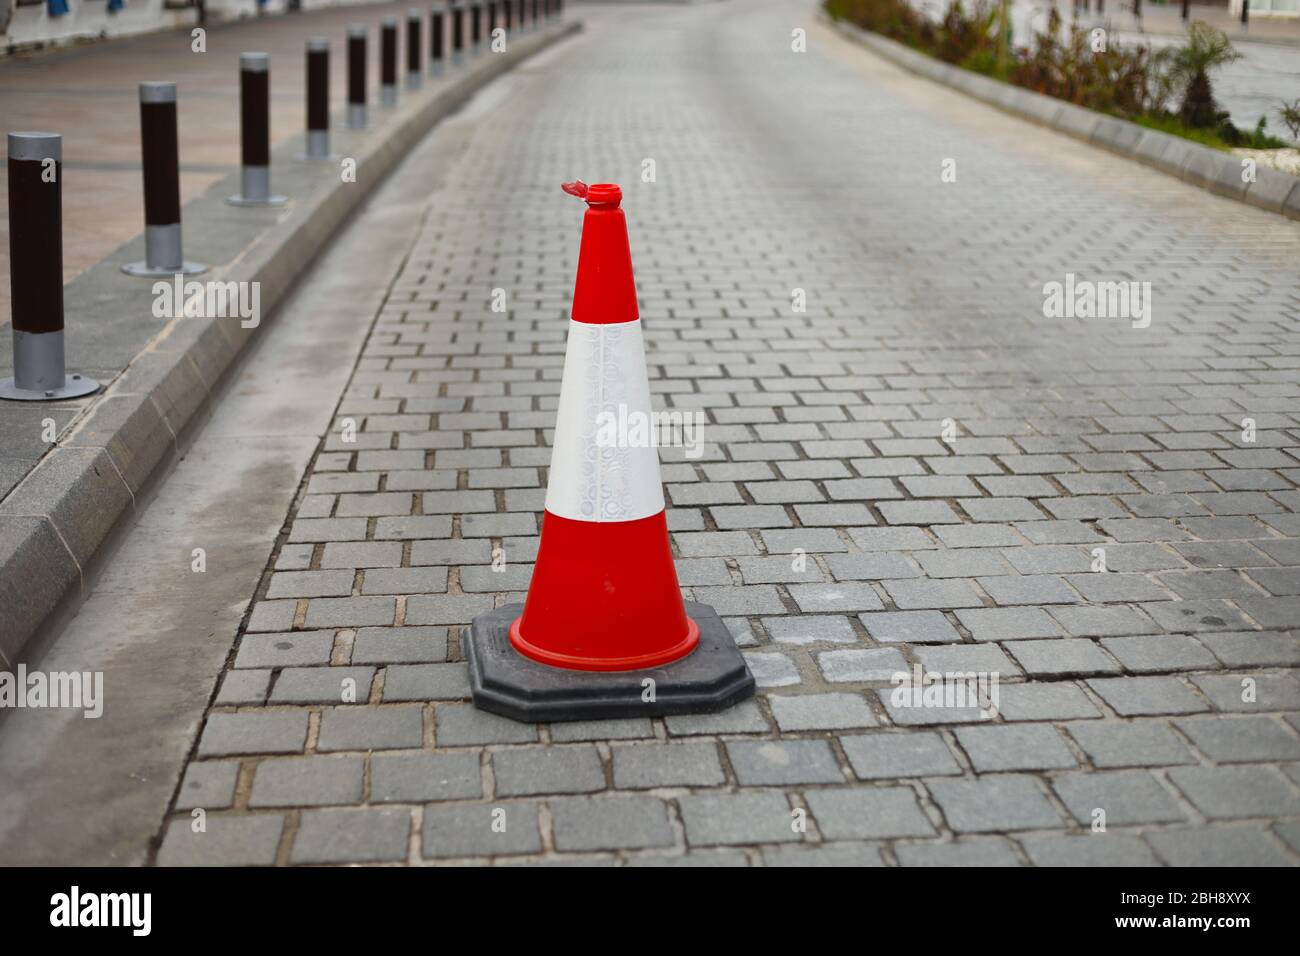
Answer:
(610, 823)
(744, 718)
(831, 854)
(697, 858)
(370, 728)
(752, 816)
(624, 729)
(209, 784)
(1069, 656)
(1235, 693)
(810, 629)
(1126, 796)
(993, 803)
(285, 650)
(237, 840)
(954, 593)
(857, 665)
(499, 828)
(244, 687)
(689, 764)
(910, 627)
(999, 624)
(307, 782)
(844, 596)
(399, 645)
(1093, 621)
(323, 685)
(772, 669)
(253, 732)
(350, 611)
(352, 836)
(977, 851)
(1139, 743)
(1004, 747)
(867, 813)
(463, 725)
(966, 658)
(821, 712)
(1095, 849)
(885, 756)
(1160, 653)
(1224, 793)
(421, 778)
(1242, 739)
(540, 770)
(1218, 846)
(426, 682)
(1136, 696)
(1055, 701)
(783, 762)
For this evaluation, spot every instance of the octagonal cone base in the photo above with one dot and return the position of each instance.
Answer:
(712, 677)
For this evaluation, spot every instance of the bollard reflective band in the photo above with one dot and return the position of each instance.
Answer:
(36, 231)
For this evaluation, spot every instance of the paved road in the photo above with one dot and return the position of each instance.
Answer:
(829, 521)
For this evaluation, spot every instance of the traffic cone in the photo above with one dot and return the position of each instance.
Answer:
(604, 595)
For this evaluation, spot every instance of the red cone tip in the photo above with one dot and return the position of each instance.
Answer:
(598, 194)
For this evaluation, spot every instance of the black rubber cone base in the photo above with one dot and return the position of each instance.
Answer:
(710, 678)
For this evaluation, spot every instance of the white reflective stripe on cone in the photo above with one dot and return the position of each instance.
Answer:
(595, 475)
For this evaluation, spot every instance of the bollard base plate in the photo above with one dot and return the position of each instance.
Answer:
(712, 677)
(268, 201)
(143, 269)
(76, 386)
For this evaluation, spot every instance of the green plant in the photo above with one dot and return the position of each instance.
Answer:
(1206, 49)
(1289, 114)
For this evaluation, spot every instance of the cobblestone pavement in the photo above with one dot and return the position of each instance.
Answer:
(828, 520)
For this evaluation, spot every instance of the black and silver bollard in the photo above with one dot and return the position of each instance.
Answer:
(160, 160)
(388, 62)
(36, 272)
(457, 34)
(491, 21)
(414, 75)
(1245, 13)
(437, 43)
(255, 132)
(318, 99)
(505, 17)
(356, 77)
(476, 27)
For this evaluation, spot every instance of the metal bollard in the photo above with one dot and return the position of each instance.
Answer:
(1245, 13)
(255, 132)
(457, 34)
(534, 16)
(36, 272)
(318, 98)
(356, 76)
(523, 15)
(160, 160)
(414, 74)
(491, 20)
(437, 43)
(388, 62)
(476, 27)
(505, 16)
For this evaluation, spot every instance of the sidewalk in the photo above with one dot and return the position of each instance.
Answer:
(89, 94)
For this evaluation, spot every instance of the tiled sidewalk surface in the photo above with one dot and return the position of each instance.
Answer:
(828, 520)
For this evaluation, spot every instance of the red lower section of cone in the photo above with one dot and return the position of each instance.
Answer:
(604, 597)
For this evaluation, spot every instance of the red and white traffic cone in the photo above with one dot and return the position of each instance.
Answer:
(604, 595)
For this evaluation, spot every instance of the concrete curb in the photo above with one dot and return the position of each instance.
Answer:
(56, 518)
(1193, 163)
